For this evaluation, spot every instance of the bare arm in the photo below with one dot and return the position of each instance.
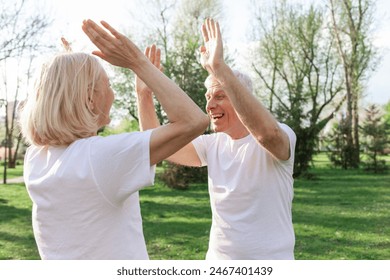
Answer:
(146, 110)
(256, 118)
(147, 114)
(187, 121)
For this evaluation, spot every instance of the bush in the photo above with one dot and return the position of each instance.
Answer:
(179, 177)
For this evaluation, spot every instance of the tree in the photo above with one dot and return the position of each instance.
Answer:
(300, 73)
(386, 116)
(352, 23)
(337, 147)
(20, 42)
(376, 139)
(19, 30)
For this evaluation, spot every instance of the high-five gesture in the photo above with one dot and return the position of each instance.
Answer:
(186, 121)
(212, 51)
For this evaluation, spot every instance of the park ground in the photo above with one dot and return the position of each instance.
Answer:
(337, 215)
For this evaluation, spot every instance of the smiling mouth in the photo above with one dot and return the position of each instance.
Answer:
(216, 117)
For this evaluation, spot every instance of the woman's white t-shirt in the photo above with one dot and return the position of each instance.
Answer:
(85, 197)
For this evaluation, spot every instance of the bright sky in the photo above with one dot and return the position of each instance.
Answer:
(69, 14)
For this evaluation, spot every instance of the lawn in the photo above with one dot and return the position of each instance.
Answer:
(341, 214)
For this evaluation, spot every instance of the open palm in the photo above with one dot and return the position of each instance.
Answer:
(212, 51)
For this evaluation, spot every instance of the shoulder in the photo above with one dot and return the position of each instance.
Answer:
(119, 139)
(118, 145)
(210, 139)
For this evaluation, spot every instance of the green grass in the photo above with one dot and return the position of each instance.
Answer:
(16, 236)
(341, 214)
(176, 223)
(11, 172)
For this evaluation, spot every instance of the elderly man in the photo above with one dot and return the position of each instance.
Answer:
(250, 162)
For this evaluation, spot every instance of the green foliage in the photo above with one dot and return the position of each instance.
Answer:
(338, 149)
(387, 115)
(125, 102)
(179, 176)
(299, 70)
(352, 23)
(376, 139)
(125, 125)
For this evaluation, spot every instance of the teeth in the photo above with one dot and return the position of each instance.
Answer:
(216, 116)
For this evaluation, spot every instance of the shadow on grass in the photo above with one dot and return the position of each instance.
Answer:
(8, 213)
(16, 236)
(24, 242)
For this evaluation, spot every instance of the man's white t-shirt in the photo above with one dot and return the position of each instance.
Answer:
(85, 197)
(251, 196)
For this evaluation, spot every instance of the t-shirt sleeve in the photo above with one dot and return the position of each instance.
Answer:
(292, 139)
(121, 164)
(200, 148)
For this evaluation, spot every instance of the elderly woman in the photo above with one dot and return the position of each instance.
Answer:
(84, 187)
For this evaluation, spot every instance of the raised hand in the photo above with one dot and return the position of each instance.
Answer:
(154, 55)
(66, 45)
(115, 48)
(212, 51)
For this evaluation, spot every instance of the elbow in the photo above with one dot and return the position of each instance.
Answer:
(276, 142)
(269, 136)
(197, 124)
(201, 123)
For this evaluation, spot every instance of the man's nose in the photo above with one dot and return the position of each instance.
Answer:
(210, 104)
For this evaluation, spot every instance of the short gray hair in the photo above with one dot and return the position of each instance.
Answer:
(242, 77)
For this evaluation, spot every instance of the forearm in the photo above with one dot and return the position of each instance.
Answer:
(251, 111)
(253, 114)
(177, 105)
(146, 111)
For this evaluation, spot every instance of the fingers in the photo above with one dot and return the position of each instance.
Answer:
(217, 30)
(205, 33)
(154, 55)
(66, 44)
(210, 29)
(98, 35)
(93, 31)
(112, 30)
(157, 62)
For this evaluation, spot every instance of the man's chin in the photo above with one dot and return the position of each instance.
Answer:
(216, 129)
